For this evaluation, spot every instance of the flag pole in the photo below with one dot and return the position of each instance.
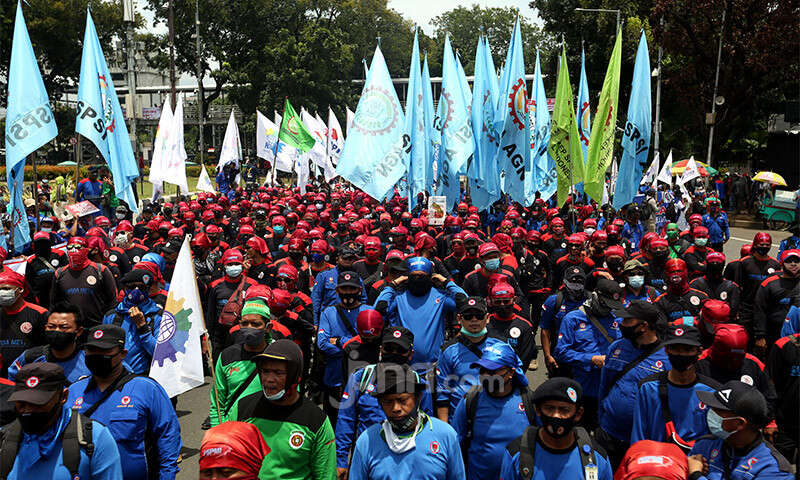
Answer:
(277, 140)
(35, 193)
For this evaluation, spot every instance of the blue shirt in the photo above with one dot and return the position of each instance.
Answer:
(788, 244)
(88, 189)
(437, 455)
(324, 292)
(424, 316)
(579, 341)
(39, 456)
(497, 422)
(718, 230)
(634, 234)
(74, 367)
(762, 462)
(790, 326)
(551, 319)
(618, 400)
(140, 408)
(454, 376)
(331, 326)
(140, 346)
(688, 412)
(553, 465)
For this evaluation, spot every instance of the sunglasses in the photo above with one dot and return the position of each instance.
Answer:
(394, 349)
(472, 316)
(792, 260)
(74, 247)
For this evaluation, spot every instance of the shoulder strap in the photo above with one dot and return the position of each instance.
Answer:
(598, 326)
(77, 435)
(559, 301)
(585, 447)
(118, 318)
(527, 402)
(32, 354)
(232, 399)
(472, 347)
(116, 385)
(670, 433)
(10, 438)
(527, 450)
(366, 378)
(633, 363)
(471, 404)
(345, 321)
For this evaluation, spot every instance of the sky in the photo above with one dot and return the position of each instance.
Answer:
(423, 11)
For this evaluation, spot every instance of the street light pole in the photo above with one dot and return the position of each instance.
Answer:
(171, 20)
(716, 85)
(603, 10)
(657, 126)
(200, 89)
(129, 17)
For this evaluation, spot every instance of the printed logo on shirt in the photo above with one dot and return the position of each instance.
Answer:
(98, 334)
(747, 380)
(617, 352)
(514, 332)
(434, 447)
(659, 364)
(136, 259)
(749, 463)
(26, 327)
(79, 401)
(113, 258)
(581, 326)
(521, 407)
(91, 280)
(723, 295)
(615, 326)
(54, 262)
(125, 400)
(702, 406)
(694, 300)
(714, 453)
(297, 439)
(438, 300)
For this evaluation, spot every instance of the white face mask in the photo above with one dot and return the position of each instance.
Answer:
(589, 230)
(7, 297)
(120, 216)
(47, 229)
(121, 239)
(400, 444)
(233, 271)
(276, 397)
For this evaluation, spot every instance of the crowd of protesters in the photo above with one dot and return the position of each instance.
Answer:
(351, 338)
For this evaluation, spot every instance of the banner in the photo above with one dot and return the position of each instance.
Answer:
(565, 144)
(437, 210)
(545, 167)
(483, 174)
(665, 175)
(80, 209)
(204, 182)
(266, 137)
(231, 151)
(292, 130)
(433, 125)
(416, 129)
(287, 156)
(335, 139)
(175, 168)
(161, 147)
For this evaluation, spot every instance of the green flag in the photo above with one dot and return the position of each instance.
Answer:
(565, 143)
(293, 132)
(601, 141)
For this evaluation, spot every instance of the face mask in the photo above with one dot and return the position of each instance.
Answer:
(35, 422)
(42, 249)
(120, 216)
(397, 358)
(233, 271)
(78, 258)
(349, 300)
(599, 307)
(672, 234)
(319, 206)
(135, 297)
(504, 311)
(763, 251)
(615, 265)
(252, 337)
(404, 424)
(100, 365)
(296, 256)
(464, 331)
(589, 231)
(573, 287)
(277, 229)
(401, 444)
(557, 427)
(714, 421)
(660, 257)
(629, 332)
(681, 363)
(276, 397)
(59, 340)
(7, 297)
(47, 229)
(636, 281)
(700, 242)
(317, 257)
(120, 240)
(492, 264)
(419, 286)
(715, 269)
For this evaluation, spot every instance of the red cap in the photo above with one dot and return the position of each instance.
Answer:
(729, 347)
(373, 243)
(288, 270)
(700, 231)
(424, 242)
(789, 253)
(762, 237)
(124, 226)
(659, 242)
(589, 222)
(319, 246)
(615, 250)
(213, 230)
(575, 239)
(556, 221)
(715, 257)
(296, 243)
(10, 277)
(200, 240)
(501, 289)
(647, 458)
(504, 242)
(715, 312)
(41, 236)
(102, 221)
(487, 248)
(258, 244)
(395, 255)
(232, 255)
(258, 291)
(236, 445)
(246, 230)
(745, 250)
(533, 235)
(369, 322)
(675, 265)
(77, 241)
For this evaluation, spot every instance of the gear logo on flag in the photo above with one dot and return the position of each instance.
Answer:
(517, 103)
(173, 332)
(377, 112)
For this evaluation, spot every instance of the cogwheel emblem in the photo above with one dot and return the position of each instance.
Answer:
(584, 122)
(376, 113)
(517, 104)
(173, 331)
(448, 117)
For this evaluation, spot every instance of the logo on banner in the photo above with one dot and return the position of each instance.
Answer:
(377, 112)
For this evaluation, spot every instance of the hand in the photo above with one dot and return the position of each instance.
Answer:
(334, 340)
(697, 463)
(400, 281)
(438, 279)
(599, 360)
(760, 347)
(769, 434)
(601, 273)
(550, 363)
(341, 473)
(136, 316)
(246, 264)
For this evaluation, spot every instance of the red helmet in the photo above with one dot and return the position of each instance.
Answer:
(675, 265)
(695, 219)
(258, 292)
(232, 255)
(729, 347)
(647, 458)
(533, 236)
(102, 221)
(599, 236)
(713, 313)
(320, 246)
(201, 241)
(615, 250)
(258, 244)
(369, 322)
(556, 221)
(124, 226)
(745, 250)
(762, 237)
(700, 232)
(296, 243)
(715, 257)
(501, 289)
(575, 239)
(289, 271)
(245, 230)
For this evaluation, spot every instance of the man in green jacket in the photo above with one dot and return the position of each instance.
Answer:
(298, 433)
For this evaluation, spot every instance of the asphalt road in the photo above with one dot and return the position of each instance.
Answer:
(193, 405)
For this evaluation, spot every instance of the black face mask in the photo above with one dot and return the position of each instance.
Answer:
(404, 424)
(419, 286)
(297, 257)
(42, 249)
(715, 269)
(660, 257)
(503, 311)
(681, 363)
(472, 251)
(252, 337)
(59, 340)
(36, 422)
(763, 251)
(615, 266)
(557, 427)
(349, 300)
(398, 358)
(599, 308)
(629, 332)
(100, 365)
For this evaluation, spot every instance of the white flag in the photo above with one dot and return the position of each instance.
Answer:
(350, 116)
(286, 154)
(177, 357)
(691, 172)
(652, 171)
(318, 153)
(614, 175)
(204, 182)
(161, 147)
(335, 138)
(266, 136)
(231, 145)
(665, 175)
(175, 164)
(303, 173)
(327, 165)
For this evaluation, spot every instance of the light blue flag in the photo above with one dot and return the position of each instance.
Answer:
(483, 174)
(433, 126)
(373, 158)
(100, 119)
(29, 123)
(462, 76)
(636, 137)
(416, 128)
(457, 142)
(514, 153)
(546, 173)
(583, 114)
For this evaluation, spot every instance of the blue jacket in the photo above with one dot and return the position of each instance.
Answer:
(762, 462)
(424, 316)
(331, 326)
(437, 455)
(551, 320)
(790, 326)
(140, 344)
(497, 422)
(549, 465)
(579, 341)
(74, 367)
(39, 456)
(454, 377)
(139, 409)
(618, 399)
(88, 189)
(324, 292)
(222, 182)
(362, 410)
(718, 230)
(634, 234)
(788, 244)
(688, 412)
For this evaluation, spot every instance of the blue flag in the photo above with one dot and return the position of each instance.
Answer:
(636, 137)
(29, 123)
(457, 142)
(483, 174)
(514, 154)
(100, 119)
(434, 133)
(462, 77)
(546, 173)
(583, 114)
(374, 153)
(416, 128)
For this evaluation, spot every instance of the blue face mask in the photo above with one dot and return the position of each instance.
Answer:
(317, 257)
(636, 281)
(715, 425)
(492, 264)
(277, 229)
(135, 297)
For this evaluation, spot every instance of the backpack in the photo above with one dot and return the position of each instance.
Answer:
(77, 436)
(471, 408)
(528, 449)
(232, 311)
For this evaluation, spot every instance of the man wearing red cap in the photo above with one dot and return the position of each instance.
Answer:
(233, 450)
(476, 282)
(556, 243)
(371, 263)
(220, 292)
(695, 255)
(21, 323)
(296, 249)
(507, 325)
(575, 257)
(651, 460)
(774, 297)
(41, 267)
(716, 286)
(257, 261)
(680, 300)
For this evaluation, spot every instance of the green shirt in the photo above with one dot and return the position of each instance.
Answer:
(234, 367)
(299, 437)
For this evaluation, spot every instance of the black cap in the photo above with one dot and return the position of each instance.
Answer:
(138, 276)
(394, 378)
(683, 335)
(559, 388)
(348, 279)
(399, 336)
(742, 399)
(643, 311)
(610, 293)
(36, 383)
(106, 336)
(171, 247)
(476, 304)
(574, 274)
(349, 249)
(287, 351)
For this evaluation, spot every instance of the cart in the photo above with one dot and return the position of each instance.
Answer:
(779, 211)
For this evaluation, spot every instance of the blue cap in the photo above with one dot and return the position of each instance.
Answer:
(155, 258)
(420, 264)
(500, 355)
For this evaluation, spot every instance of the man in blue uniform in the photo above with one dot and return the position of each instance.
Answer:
(324, 292)
(455, 374)
(738, 452)
(90, 189)
(494, 413)
(421, 307)
(558, 449)
(667, 406)
(716, 221)
(136, 408)
(36, 445)
(408, 444)
(638, 354)
(566, 299)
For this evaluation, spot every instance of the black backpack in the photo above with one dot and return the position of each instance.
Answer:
(527, 450)
(77, 436)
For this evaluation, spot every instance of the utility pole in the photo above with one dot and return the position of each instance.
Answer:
(129, 18)
(200, 89)
(716, 85)
(657, 126)
(171, 26)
